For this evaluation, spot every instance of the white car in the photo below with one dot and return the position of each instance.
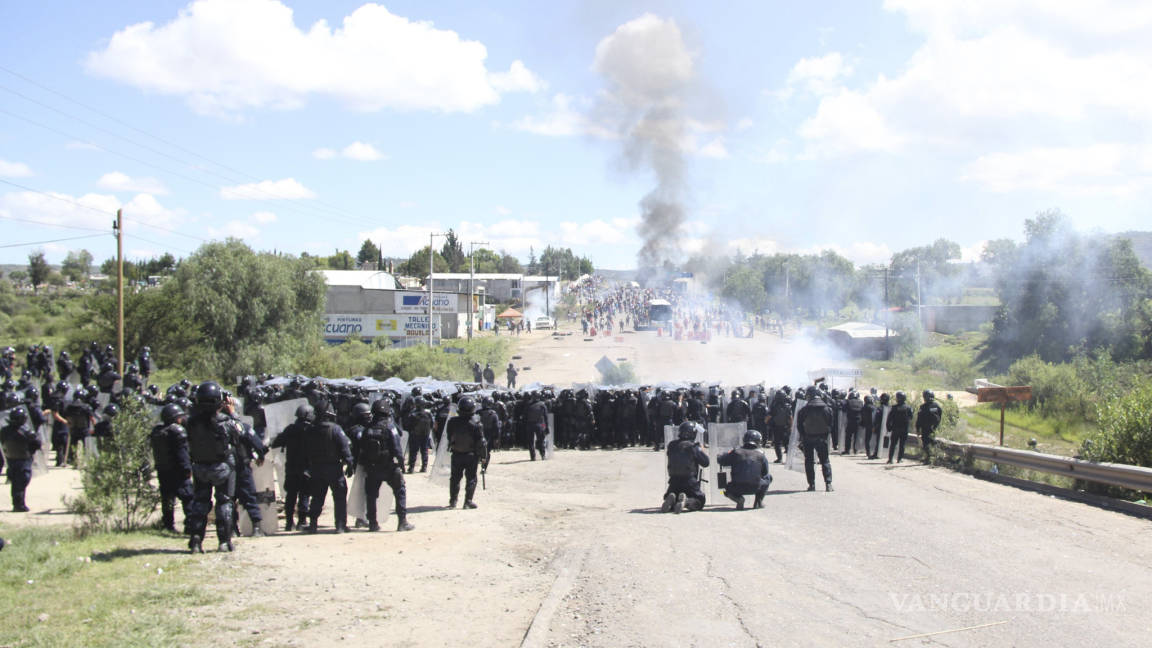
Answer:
(543, 322)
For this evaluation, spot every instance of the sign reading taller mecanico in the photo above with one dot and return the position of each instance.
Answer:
(417, 302)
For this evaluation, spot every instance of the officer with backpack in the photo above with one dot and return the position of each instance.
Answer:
(814, 422)
(685, 459)
(780, 421)
(211, 435)
(419, 422)
(749, 471)
(20, 444)
(169, 442)
(379, 452)
(899, 420)
(927, 420)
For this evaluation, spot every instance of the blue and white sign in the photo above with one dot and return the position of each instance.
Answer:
(417, 302)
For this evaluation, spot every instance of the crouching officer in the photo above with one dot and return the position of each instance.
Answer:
(169, 442)
(685, 459)
(210, 447)
(297, 490)
(814, 423)
(466, 442)
(749, 471)
(20, 443)
(380, 453)
(327, 448)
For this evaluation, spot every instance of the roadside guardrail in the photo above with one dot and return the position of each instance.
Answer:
(1135, 478)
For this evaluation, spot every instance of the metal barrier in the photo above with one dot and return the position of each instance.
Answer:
(1134, 478)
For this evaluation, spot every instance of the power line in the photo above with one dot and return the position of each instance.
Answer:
(47, 224)
(147, 134)
(60, 198)
(70, 238)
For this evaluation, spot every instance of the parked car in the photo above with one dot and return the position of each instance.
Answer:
(543, 322)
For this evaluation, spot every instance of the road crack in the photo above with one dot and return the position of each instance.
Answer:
(736, 606)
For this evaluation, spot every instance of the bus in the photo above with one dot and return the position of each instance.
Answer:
(658, 313)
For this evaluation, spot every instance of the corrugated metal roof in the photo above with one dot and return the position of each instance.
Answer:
(367, 279)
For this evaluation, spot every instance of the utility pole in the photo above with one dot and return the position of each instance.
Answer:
(887, 313)
(431, 270)
(119, 228)
(471, 282)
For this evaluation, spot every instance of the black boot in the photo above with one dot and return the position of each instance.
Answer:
(403, 524)
(195, 544)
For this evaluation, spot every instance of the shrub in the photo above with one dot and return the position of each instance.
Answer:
(117, 490)
(1125, 434)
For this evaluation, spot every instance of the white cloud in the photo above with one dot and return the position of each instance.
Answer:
(503, 211)
(744, 124)
(235, 229)
(403, 240)
(14, 170)
(359, 151)
(972, 253)
(264, 217)
(518, 78)
(1109, 169)
(819, 76)
(286, 189)
(225, 56)
(617, 231)
(563, 119)
(715, 149)
(116, 181)
(1026, 94)
(91, 210)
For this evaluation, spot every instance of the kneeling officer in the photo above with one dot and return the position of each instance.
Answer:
(685, 458)
(749, 471)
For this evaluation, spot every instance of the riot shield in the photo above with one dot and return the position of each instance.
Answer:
(723, 437)
(279, 416)
(357, 501)
(794, 461)
(841, 431)
(441, 470)
(549, 439)
(40, 459)
(884, 435)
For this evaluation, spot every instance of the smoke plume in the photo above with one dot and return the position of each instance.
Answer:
(648, 71)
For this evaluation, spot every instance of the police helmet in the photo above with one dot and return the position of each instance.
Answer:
(11, 399)
(752, 437)
(813, 392)
(687, 431)
(466, 407)
(901, 398)
(132, 368)
(171, 413)
(107, 366)
(305, 413)
(382, 407)
(111, 410)
(209, 393)
(417, 392)
(31, 395)
(62, 387)
(185, 384)
(153, 389)
(868, 400)
(64, 354)
(17, 416)
(488, 403)
(929, 395)
(362, 412)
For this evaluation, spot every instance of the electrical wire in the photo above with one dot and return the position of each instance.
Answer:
(71, 238)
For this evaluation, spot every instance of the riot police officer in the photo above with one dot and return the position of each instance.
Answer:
(211, 435)
(815, 423)
(418, 423)
(780, 421)
(379, 452)
(685, 459)
(899, 420)
(749, 471)
(490, 420)
(326, 448)
(297, 489)
(19, 443)
(927, 420)
(248, 447)
(169, 442)
(466, 442)
(536, 425)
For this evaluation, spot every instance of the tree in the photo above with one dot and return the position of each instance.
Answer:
(486, 260)
(453, 252)
(417, 264)
(117, 489)
(510, 264)
(38, 269)
(251, 312)
(562, 262)
(745, 286)
(77, 265)
(368, 253)
(342, 260)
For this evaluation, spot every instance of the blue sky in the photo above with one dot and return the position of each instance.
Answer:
(865, 127)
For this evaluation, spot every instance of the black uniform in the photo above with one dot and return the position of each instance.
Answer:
(685, 458)
(173, 470)
(248, 447)
(211, 437)
(899, 420)
(419, 424)
(853, 411)
(297, 489)
(927, 420)
(780, 423)
(19, 443)
(327, 449)
(536, 426)
(815, 421)
(749, 474)
(868, 418)
(737, 411)
(466, 442)
(490, 421)
(379, 452)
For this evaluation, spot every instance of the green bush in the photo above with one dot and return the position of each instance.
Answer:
(354, 358)
(622, 374)
(1125, 434)
(117, 490)
(954, 363)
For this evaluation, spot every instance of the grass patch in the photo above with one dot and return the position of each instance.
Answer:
(1053, 436)
(98, 590)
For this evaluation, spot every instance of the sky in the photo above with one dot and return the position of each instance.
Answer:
(862, 127)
